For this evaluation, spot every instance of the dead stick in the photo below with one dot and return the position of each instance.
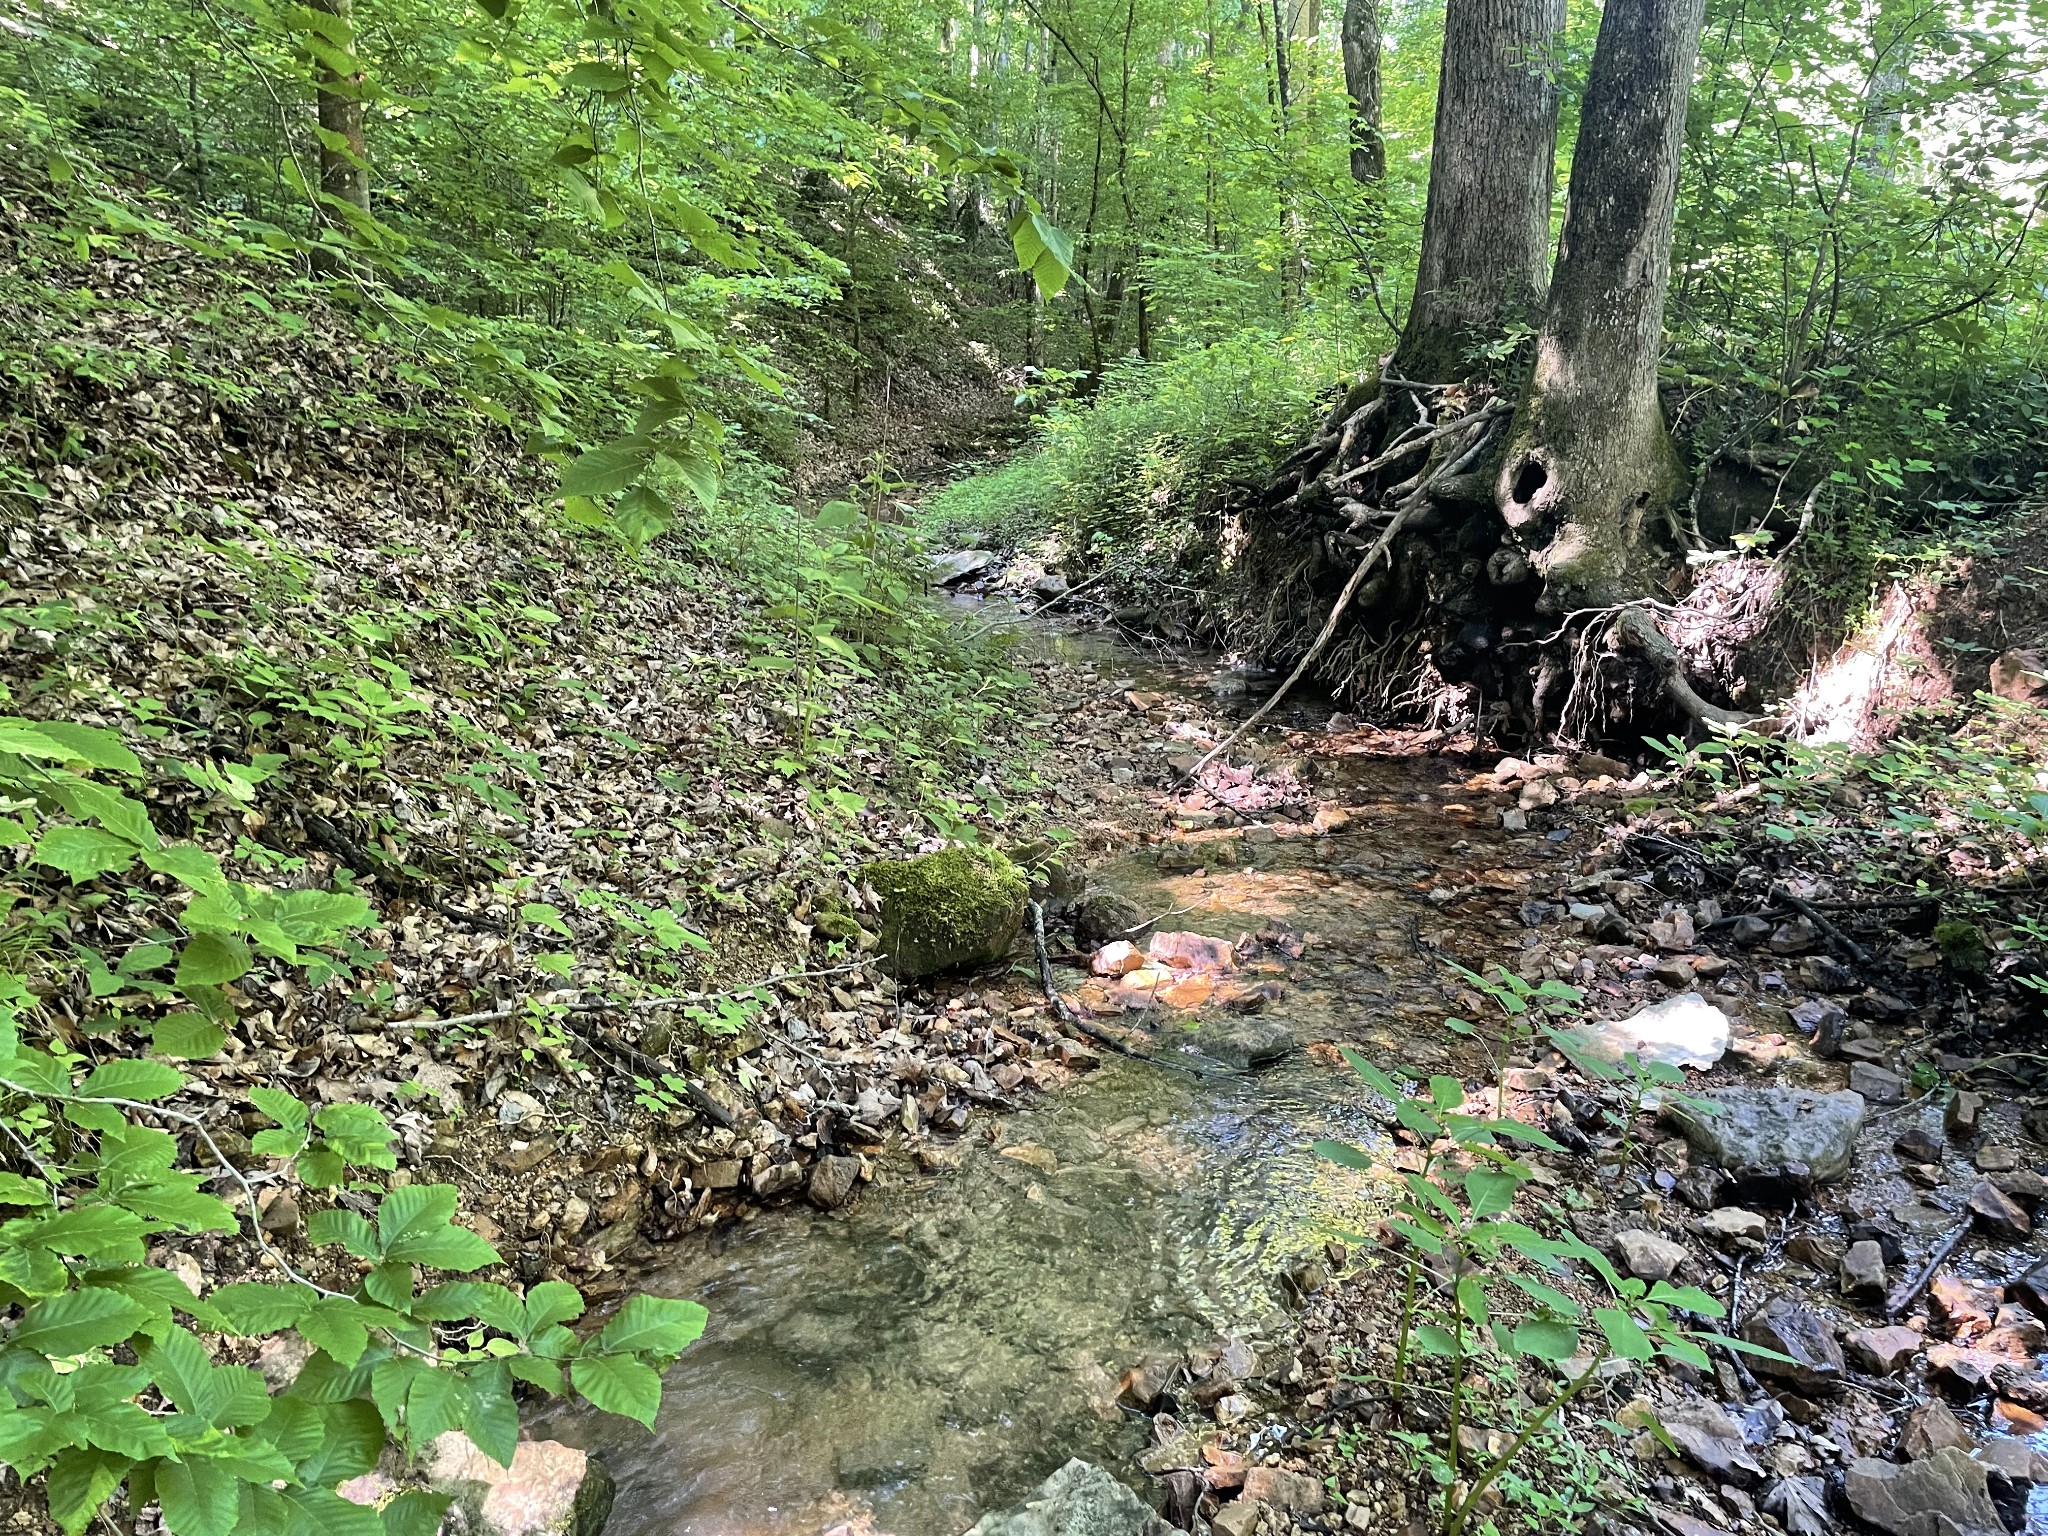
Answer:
(1813, 915)
(1067, 1016)
(1908, 1293)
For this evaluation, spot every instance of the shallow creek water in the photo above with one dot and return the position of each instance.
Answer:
(935, 1350)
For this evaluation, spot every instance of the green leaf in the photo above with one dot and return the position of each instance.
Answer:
(1628, 1340)
(352, 1231)
(1343, 1154)
(607, 469)
(415, 1512)
(656, 1325)
(618, 1385)
(186, 1037)
(199, 1497)
(143, 1080)
(252, 1308)
(1689, 1298)
(102, 1232)
(336, 1324)
(211, 960)
(80, 1482)
(1490, 1192)
(1546, 1338)
(190, 866)
(17, 1190)
(77, 1321)
(550, 1302)
(281, 1107)
(84, 853)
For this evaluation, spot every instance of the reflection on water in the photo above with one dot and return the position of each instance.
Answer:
(940, 1348)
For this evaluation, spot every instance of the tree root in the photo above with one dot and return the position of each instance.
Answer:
(1634, 628)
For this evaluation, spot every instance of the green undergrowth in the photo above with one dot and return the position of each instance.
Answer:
(1122, 476)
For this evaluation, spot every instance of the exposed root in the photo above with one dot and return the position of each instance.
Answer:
(1633, 627)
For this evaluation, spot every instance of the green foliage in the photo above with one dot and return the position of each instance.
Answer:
(1473, 1296)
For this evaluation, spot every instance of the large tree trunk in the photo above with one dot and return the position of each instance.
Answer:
(1361, 39)
(1590, 476)
(338, 101)
(1486, 232)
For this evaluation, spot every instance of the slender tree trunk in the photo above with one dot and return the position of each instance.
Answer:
(1486, 232)
(338, 100)
(1361, 39)
(1590, 475)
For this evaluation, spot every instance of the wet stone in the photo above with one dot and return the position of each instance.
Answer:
(833, 1181)
(1244, 1042)
(1931, 1426)
(1080, 1499)
(1997, 1159)
(1814, 1364)
(1998, 1213)
(1919, 1146)
(1962, 1114)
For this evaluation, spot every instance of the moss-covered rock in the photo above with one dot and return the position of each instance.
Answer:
(941, 911)
(1963, 946)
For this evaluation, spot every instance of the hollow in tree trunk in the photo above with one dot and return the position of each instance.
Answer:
(1590, 477)
(1361, 39)
(1486, 231)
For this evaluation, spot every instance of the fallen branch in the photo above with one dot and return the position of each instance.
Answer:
(1909, 1292)
(1068, 1017)
(1813, 914)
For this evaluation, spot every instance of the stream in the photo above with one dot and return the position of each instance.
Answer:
(935, 1350)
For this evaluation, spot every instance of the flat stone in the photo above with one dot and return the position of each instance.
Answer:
(1294, 1493)
(1931, 1426)
(1795, 936)
(778, 1179)
(1649, 1255)
(1862, 1272)
(2031, 1289)
(1240, 1517)
(1881, 1351)
(1749, 930)
(1997, 1159)
(1732, 1225)
(1773, 1132)
(1815, 1364)
(1080, 1499)
(951, 569)
(1243, 1042)
(2019, 1461)
(550, 1489)
(1962, 1309)
(1998, 1213)
(1876, 1084)
(1800, 1506)
(1714, 1443)
(1944, 1494)
(1681, 1031)
(1919, 1146)
(2024, 1185)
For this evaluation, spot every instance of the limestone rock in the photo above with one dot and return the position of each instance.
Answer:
(1881, 1351)
(1930, 1427)
(1295, 1493)
(1862, 1272)
(1732, 1226)
(1774, 1132)
(1649, 1256)
(1240, 1517)
(1943, 1494)
(1244, 1042)
(833, 1180)
(550, 1489)
(951, 569)
(1078, 1500)
(1998, 1213)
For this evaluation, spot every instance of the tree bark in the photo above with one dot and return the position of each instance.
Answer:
(1590, 476)
(338, 102)
(1486, 232)
(1361, 39)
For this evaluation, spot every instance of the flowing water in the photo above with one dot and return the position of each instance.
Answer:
(938, 1348)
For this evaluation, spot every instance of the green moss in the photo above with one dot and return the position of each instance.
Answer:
(961, 906)
(1962, 945)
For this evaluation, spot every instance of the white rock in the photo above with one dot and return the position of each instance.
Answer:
(1681, 1031)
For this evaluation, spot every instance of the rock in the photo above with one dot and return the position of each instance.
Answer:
(1931, 1426)
(516, 1109)
(1674, 934)
(1876, 1084)
(550, 1489)
(1774, 1132)
(778, 1179)
(1800, 1505)
(1961, 1309)
(1675, 972)
(2031, 1289)
(1240, 1517)
(1244, 1043)
(525, 1156)
(1998, 1213)
(1078, 1500)
(1118, 958)
(1822, 1254)
(1713, 1442)
(1815, 1362)
(280, 1358)
(1862, 1272)
(1945, 1494)
(942, 911)
(1732, 1226)
(2019, 1461)
(1997, 1159)
(951, 569)
(1294, 1493)
(722, 1174)
(279, 1215)
(1919, 1146)
(1960, 1116)
(881, 1461)
(1795, 936)
(1102, 917)
(1051, 584)
(1881, 1351)
(2024, 1185)
(1648, 1255)
(1682, 1031)
(833, 1181)
(1749, 930)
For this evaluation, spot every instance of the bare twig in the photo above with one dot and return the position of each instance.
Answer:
(1909, 1292)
